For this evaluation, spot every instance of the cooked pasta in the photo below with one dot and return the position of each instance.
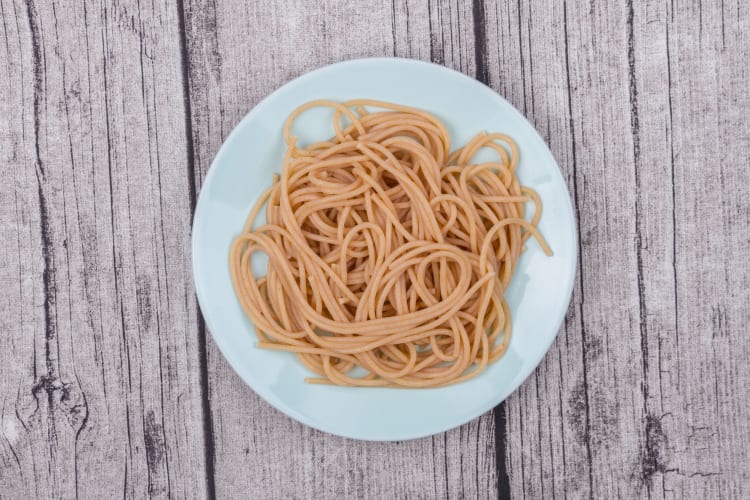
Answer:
(388, 254)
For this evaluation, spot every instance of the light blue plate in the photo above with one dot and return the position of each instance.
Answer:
(242, 169)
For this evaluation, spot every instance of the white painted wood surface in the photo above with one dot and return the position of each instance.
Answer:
(110, 114)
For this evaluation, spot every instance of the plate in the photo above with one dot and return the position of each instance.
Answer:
(538, 296)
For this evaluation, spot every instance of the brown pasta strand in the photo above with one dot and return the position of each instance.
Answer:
(388, 254)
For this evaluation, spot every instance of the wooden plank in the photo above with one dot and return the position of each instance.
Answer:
(99, 376)
(545, 453)
(546, 436)
(641, 106)
(704, 391)
(236, 57)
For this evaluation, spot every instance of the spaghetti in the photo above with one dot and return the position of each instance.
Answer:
(388, 254)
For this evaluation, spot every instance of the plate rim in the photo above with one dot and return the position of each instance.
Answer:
(291, 412)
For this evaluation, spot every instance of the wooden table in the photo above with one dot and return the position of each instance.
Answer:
(110, 385)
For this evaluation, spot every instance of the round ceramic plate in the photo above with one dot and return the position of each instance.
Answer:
(243, 168)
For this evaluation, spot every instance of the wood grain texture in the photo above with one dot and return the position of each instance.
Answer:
(99, 375)
(110, 115)
(644, 104)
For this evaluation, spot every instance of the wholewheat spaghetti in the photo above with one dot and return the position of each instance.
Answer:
(388, 254)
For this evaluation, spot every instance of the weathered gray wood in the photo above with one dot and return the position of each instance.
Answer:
(109, 118)
(99, 379)
(646, 109)
(546, 451)
(236, 57)
(706, 385)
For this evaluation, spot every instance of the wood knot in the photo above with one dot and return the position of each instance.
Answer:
(62, 397)
(653, 459)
